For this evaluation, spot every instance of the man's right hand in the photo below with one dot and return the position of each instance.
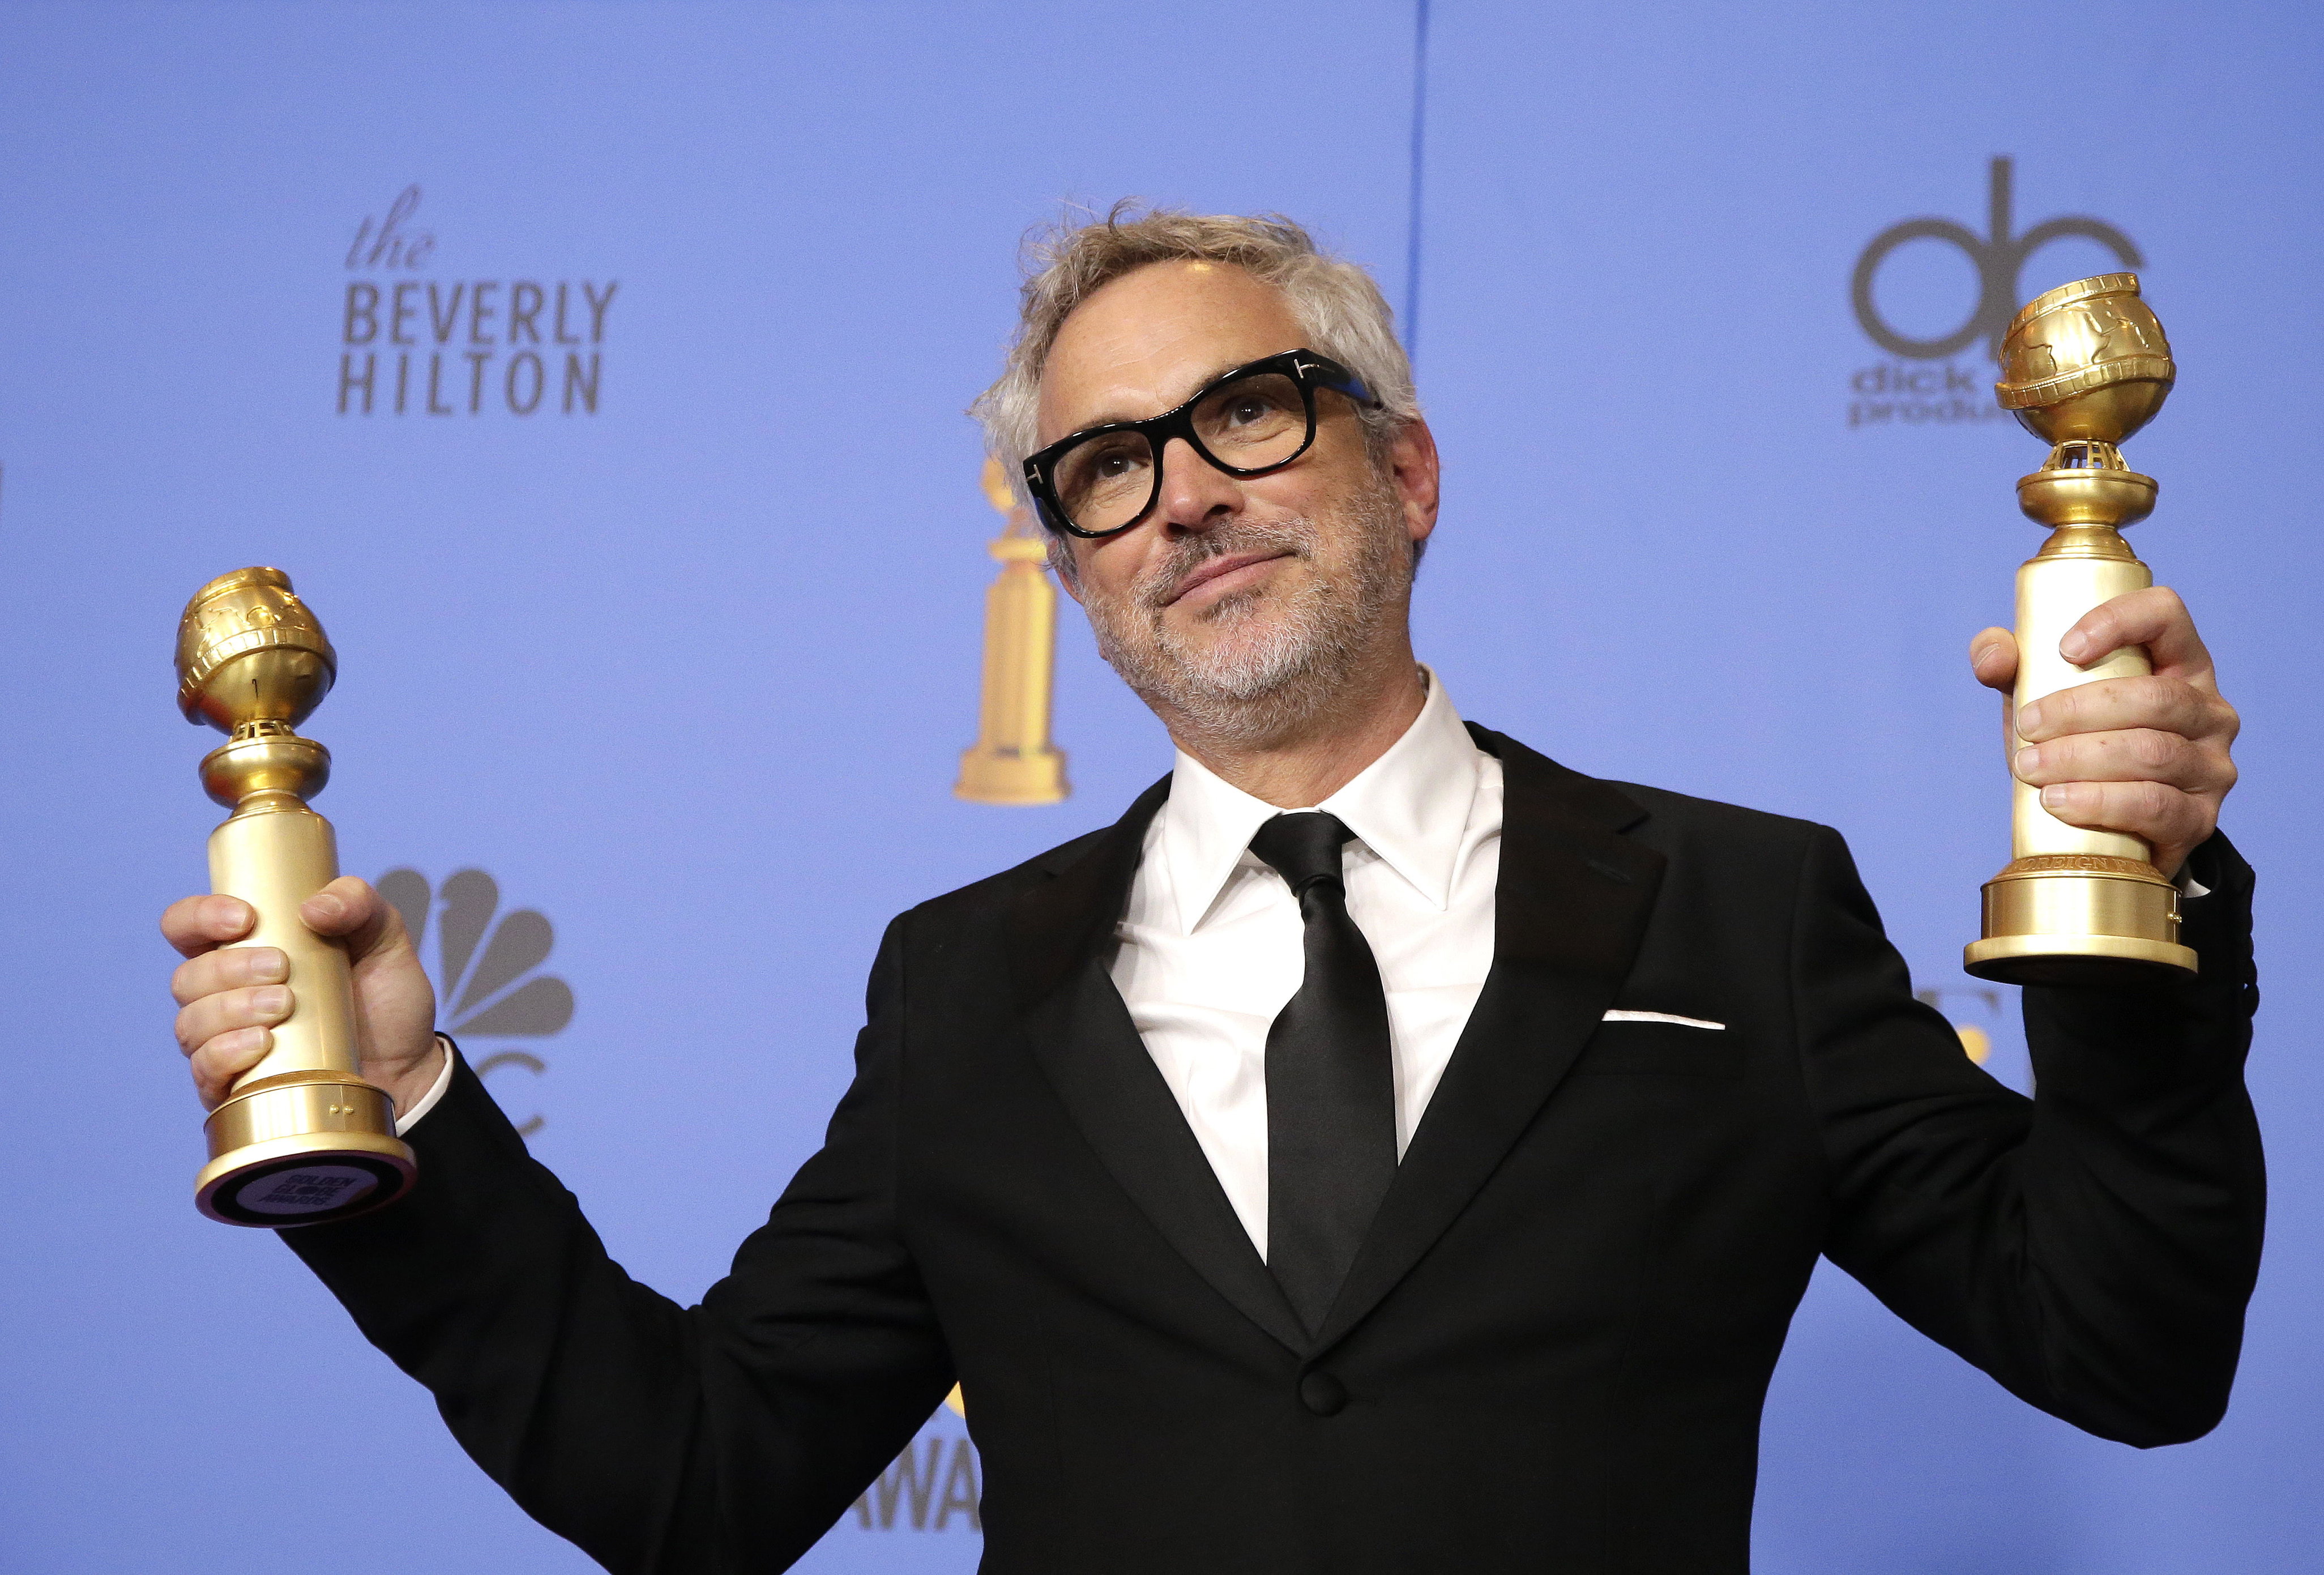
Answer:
(230, 998)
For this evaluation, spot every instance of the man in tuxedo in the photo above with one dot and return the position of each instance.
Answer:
(1383, 1149)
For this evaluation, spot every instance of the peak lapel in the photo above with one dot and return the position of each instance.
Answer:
(1570, 910)
(1060, 938)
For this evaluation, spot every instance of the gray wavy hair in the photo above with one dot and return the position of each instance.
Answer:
(1341, 309)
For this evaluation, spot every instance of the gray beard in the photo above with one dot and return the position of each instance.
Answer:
(1304, 648)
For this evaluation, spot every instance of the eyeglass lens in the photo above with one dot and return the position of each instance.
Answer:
(1246, 425)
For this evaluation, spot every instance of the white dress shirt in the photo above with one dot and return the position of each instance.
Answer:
(1212, 944)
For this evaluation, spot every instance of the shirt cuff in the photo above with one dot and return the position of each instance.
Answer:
(410, 1118)
(2188, 886)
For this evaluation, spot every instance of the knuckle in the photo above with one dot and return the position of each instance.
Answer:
(2154, 751)
(194, 1028)
(2170, 689)
(2154, 802)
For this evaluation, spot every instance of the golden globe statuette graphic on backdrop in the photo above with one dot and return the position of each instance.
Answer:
(301, 1137)
(2084, 367)
(1012, 761)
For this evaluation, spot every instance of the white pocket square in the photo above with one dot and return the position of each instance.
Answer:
(1662, 1018)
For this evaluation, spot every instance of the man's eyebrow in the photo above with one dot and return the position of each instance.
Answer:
(1112, 416)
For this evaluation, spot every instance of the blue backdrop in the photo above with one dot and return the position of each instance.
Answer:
(652, 609)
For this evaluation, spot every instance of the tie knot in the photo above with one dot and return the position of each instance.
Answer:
(1303, 848)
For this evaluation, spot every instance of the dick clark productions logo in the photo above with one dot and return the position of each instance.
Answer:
(411, 344)
(1896, 391)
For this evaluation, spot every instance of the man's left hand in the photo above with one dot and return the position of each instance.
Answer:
(2144, 756)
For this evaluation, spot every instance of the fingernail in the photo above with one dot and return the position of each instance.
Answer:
(277, 1000)
(2029, 717)
(327, 906)
(2054, 796)
(268, 966)
(2028, 760)
(247, 1041)
(2072, 647)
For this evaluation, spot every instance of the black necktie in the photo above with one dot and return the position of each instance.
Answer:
(1331, 1089)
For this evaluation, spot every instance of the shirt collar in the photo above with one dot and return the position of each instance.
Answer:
(1410, 806)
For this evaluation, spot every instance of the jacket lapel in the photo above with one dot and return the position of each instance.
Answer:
(1061, 936)
(1570, 911)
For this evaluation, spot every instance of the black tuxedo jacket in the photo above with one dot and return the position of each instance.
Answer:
(1552, 1350)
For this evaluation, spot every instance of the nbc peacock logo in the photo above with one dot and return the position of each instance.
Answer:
(488, 983)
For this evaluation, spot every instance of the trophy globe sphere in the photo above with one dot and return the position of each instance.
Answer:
(2087, 362)
(249, 651)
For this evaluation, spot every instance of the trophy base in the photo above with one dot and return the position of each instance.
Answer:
(303, 1148)
(2081, 921)
(1012, 776)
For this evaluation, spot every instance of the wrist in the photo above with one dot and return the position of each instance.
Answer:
(411, 1085)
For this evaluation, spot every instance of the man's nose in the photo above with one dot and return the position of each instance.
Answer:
(1196, 494)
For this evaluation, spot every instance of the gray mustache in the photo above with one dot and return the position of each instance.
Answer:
(1294, 537)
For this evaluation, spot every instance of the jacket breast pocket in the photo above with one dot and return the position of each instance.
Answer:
(1649, 1049)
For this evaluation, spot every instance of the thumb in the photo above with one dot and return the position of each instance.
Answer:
(1993, 657)
(349, 908)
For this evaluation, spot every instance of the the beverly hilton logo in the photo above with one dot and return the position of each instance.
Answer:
(488, 983)
(1924, 383)
(414, 345)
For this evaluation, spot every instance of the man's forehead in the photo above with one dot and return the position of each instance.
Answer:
(1149, 339)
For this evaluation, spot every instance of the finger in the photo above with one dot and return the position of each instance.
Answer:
(229, 968)
(2157, 815)
(2164, 703)
(259, 1006)
(2154, 618)
(193, 924)
(2139, 755)
(340, 908)
(220, 1063)
(1993, 657)
(351, 908)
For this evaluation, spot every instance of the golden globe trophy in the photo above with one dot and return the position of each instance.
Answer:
(2084, 367)
(1012, 761)
(301, 1139)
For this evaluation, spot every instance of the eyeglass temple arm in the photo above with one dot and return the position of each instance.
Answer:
(1343, 382)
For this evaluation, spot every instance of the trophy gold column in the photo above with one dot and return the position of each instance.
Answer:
(301, 1139)
(1012, 761)
(2084, 367)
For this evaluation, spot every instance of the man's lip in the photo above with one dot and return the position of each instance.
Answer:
(1222, 565)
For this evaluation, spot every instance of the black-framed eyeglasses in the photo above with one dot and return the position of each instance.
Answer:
(1246, 422)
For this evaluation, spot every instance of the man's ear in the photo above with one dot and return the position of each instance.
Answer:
(1061, 564)
(1412, 466)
